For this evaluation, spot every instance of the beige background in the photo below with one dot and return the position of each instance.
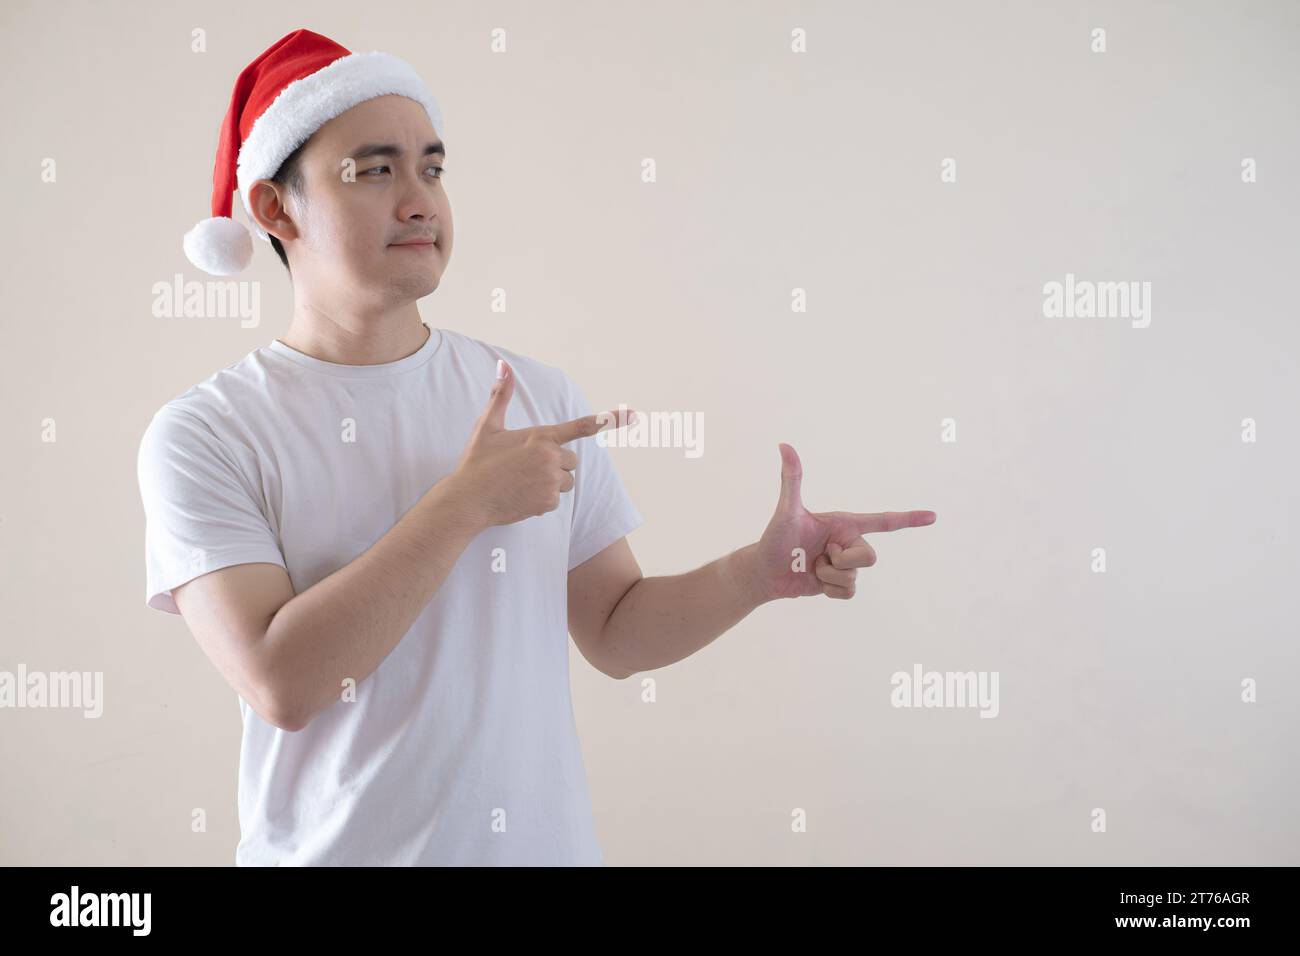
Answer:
(776, 170)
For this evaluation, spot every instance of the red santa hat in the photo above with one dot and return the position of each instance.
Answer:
(293, 89)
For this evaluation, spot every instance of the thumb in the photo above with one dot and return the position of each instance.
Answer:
(494, 416)
(791, 479)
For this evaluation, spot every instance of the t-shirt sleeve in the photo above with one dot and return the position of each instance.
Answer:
(200, 514)
(602, 509)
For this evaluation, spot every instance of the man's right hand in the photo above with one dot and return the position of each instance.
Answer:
(508, 474)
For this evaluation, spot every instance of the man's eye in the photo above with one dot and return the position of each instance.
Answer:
(383, 169)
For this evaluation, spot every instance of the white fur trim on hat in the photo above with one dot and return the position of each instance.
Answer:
(307, 104)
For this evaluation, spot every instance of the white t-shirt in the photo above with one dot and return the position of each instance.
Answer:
(461, 748)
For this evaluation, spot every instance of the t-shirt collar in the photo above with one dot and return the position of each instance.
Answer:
(383, 370)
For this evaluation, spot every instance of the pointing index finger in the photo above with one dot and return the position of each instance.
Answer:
(588, 425)
(888, 520)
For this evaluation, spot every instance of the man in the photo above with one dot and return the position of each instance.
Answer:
(384, 562)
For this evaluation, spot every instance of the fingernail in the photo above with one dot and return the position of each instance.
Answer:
(501, 369)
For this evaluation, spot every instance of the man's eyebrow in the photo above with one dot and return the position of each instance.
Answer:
(436, 148)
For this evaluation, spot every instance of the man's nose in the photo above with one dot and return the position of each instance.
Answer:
(416, 204)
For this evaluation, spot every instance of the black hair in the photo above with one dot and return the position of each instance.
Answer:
(289, 174)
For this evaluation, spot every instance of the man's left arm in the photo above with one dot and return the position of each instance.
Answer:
(625, 623)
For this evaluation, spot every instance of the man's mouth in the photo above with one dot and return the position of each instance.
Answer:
(424, 243)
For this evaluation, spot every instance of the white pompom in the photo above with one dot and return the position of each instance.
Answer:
(220, 246)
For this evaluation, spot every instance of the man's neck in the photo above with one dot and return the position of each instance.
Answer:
(356, 340)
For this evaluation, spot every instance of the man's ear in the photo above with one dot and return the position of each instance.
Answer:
(269, 201)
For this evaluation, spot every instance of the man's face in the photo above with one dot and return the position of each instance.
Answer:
(372, 200)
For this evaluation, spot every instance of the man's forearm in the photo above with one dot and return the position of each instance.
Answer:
(662, 620)
(346, 624)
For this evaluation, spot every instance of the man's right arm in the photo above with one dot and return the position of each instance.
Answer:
(287, 655)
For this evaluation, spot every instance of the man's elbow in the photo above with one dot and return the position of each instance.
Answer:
(290, 721)
(282, 709)
(282, 701)
(608, 667)
(281, 715)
